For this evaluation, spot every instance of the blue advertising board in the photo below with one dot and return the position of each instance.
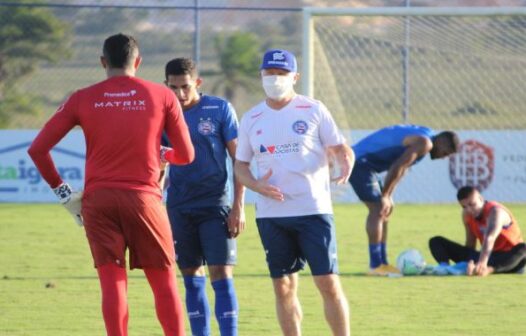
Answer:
(20, 180)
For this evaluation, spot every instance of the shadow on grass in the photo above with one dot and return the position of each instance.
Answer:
(135, 275)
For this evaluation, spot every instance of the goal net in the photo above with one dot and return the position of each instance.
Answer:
(461, 69)
(447, 68)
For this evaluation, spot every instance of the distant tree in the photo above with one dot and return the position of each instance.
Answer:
(239, 56)
(106, 21)
(29, 37)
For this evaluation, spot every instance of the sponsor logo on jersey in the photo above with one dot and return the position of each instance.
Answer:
(281, 148)
(126, 105)
(130, 93)
(206, 126)
(60, 108)
(209, 107)
(300, 127)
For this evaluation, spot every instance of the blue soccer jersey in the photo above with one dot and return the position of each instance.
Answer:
(212, 123)
(382, 148)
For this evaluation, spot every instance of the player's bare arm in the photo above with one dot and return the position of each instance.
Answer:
(417, 146)
(261, 186)
(496, 220)
(236, 218)
(344, 155)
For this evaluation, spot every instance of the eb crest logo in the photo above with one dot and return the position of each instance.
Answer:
(473, 165)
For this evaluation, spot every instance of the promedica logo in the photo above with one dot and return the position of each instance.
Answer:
(23, 170)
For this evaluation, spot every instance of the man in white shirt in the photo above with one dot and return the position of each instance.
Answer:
(291, 138)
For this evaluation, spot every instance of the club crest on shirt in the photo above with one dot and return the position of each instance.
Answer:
(206, 126)
(300, 127)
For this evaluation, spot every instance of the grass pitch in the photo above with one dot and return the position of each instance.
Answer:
(48, 286)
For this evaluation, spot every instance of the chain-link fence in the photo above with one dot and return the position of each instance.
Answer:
(456, 69)
(464, 69)
(49, 50)
(459, 71)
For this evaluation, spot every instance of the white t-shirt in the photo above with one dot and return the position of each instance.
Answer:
(291, 141)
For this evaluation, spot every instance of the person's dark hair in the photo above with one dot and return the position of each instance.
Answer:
(451, 138)
(120, 50)
(465, 192)
(180, 66)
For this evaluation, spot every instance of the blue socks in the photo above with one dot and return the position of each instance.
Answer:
(197, 305)
(383, 249)
(375, 255)
(226, 307)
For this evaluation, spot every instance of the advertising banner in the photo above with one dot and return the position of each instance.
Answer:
(21, 182)
(494, 161)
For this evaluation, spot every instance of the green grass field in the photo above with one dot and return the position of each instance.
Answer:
(48, 286)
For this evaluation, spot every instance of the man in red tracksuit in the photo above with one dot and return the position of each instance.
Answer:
(123, 118)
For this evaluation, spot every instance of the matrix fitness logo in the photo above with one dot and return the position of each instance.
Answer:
(126, 101)
(473, 165)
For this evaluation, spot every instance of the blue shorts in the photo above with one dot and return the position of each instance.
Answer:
(290, 242)
(366, 183)
(201, 237)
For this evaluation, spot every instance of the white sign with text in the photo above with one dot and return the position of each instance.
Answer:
(20, 180)
(494, 161)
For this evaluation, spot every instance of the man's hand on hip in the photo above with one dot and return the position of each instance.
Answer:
(71, 200)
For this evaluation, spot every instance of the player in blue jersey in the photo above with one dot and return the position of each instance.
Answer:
(393, 150)
(203, 224)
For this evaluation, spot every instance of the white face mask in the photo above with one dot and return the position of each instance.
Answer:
(277, 87)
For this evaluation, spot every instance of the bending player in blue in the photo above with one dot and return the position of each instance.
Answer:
(393, 150)
(203, 224)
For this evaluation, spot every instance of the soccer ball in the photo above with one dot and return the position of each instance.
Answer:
(410, 262)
